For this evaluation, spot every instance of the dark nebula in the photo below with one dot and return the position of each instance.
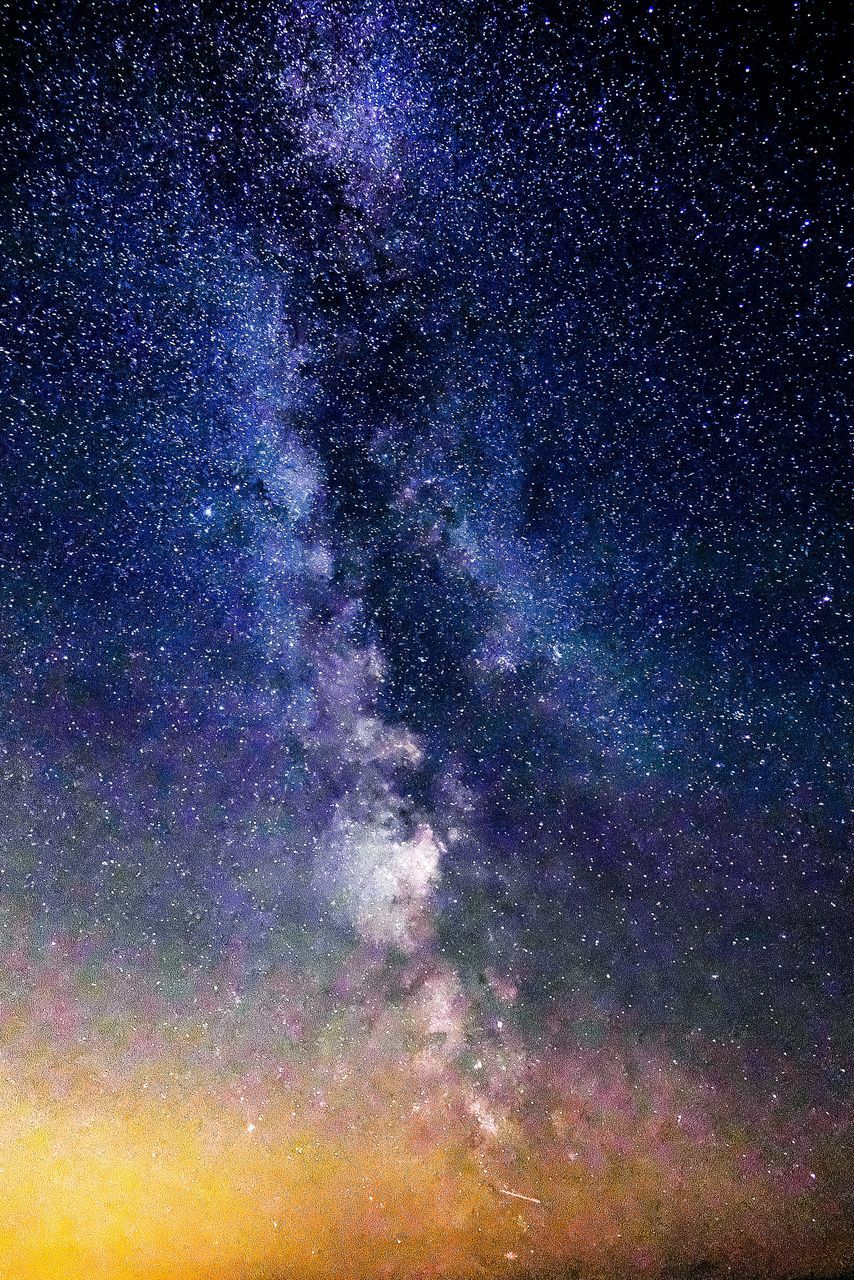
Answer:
(424, 825)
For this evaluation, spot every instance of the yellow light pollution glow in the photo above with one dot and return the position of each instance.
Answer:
(196, 1140)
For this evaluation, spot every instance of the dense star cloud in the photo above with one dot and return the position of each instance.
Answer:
(424, 844)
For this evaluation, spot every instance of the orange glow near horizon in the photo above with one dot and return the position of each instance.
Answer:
(207, 1147)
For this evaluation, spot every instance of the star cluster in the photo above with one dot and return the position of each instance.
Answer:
(424, 843)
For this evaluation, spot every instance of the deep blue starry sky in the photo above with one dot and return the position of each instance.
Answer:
(428, 420)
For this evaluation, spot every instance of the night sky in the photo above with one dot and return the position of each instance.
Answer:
(423, 728)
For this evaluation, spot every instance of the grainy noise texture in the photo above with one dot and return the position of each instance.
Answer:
(423, 671)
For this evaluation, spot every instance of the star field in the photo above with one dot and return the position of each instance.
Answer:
(424, 627)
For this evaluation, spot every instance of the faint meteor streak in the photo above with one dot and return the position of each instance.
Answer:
(517, 1195)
